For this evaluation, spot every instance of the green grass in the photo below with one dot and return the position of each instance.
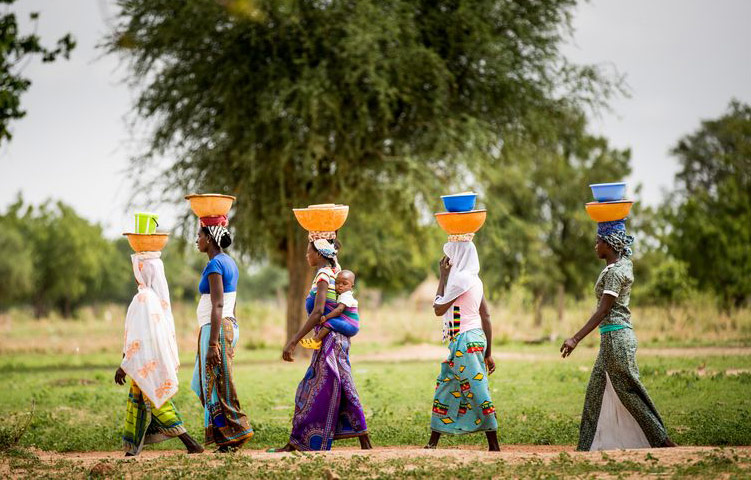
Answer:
(79, 408)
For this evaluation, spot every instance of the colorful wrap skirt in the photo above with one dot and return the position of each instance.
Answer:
(627, 418)
(327, 406)
(145, 424)
(462, 402)
(224, 421)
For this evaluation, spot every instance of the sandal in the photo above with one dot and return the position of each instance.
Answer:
(311, 343)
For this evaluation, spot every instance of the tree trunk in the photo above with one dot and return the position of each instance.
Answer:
(538, 308)
(40, 308)
(299, 278)
(561, 302)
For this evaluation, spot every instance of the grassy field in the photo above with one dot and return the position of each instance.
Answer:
(705, 400)
(701, 385)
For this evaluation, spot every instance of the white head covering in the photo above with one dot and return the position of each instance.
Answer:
(150, 348)
(464, 274)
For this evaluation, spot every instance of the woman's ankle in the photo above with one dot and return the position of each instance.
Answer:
(493, 444)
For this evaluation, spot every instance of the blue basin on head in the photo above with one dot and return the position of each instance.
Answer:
(460, 202)
(609, 192)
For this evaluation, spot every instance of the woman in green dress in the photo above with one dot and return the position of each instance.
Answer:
(618, 412)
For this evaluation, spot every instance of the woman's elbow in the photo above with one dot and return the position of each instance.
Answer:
(218, 305)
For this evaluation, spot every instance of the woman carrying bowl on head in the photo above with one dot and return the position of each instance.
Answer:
(462, 402)
(618, 412)
(225, 423)
(150, 359)
(327, 406)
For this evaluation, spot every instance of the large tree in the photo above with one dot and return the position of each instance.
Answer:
(381, 104)
(710, 213)
(16, 49)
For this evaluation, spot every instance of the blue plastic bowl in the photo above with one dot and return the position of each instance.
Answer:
(460, 202)
(608, 192)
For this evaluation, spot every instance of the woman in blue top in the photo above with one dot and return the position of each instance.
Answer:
(225, 423)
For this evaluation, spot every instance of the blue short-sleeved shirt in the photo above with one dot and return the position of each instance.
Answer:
(224, 266)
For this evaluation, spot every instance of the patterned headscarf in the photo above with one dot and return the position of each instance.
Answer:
(614, 234)
(217, 226)
(326, 248)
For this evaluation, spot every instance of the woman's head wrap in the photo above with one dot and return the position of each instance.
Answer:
(326, 248)
(217, 227)
(614, 234)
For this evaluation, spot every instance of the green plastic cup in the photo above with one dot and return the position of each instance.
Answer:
(146, 222)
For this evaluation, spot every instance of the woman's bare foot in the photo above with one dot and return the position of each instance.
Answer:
(433, 442)
(286, 448)
(190, 443)
(669, 444)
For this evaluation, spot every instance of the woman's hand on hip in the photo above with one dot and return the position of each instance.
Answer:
(289, 349)
(120, 376)
(568, 346)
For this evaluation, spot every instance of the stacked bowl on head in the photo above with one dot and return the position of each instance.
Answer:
(145, 238)
(210, 204)
(322, 220)
(610, 202)
(460, 217)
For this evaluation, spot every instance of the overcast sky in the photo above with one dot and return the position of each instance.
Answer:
(683, 60)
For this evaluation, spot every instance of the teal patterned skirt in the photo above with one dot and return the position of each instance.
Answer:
(462, 402)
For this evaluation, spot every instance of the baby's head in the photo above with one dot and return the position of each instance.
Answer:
(345, 281)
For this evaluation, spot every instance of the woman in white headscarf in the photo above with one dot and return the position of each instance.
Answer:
(150, 360)
(462, 402)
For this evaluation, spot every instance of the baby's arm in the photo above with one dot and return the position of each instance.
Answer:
(334, 313)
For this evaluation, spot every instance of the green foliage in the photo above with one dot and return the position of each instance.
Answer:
(15, 49)
(16, 266)
(537, 228)
(60, 260)
(711, 212)
(12, 431)
(668, 280)
(70, 258)
(263, 282)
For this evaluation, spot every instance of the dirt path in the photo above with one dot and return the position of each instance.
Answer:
(425, 352)
(509, 453)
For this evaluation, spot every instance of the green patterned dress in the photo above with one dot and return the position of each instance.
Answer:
(615, 370)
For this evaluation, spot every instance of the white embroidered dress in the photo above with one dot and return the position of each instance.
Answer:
(150, 348)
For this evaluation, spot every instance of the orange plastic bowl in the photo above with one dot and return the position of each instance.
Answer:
(608, 211)
(457, 223)
(322, 218)
(210, 204)
(147, 242)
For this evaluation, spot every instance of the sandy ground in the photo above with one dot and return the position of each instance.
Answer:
(425, 352)
(509, 453)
